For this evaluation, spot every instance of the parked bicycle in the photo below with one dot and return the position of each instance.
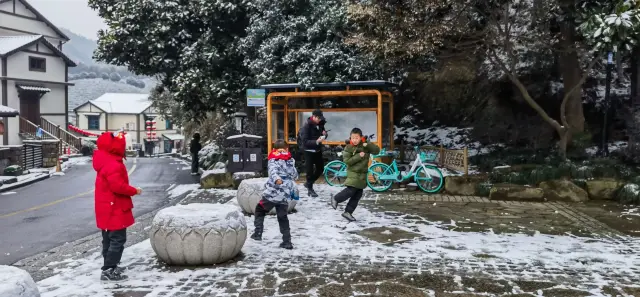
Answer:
(335, 172)
(425, 173)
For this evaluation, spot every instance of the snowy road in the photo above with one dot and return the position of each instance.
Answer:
(50, 213)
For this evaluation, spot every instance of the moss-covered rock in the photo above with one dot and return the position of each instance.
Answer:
(483, 189)
(603, 189)
(629, 194)
(461, 185)
(515, 193)
(563, 190)
(216, 179)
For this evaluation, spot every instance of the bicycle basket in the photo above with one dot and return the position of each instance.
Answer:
(428, 157)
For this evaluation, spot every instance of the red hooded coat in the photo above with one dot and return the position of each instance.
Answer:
(113, 193)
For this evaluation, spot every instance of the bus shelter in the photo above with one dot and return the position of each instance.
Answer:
(367, 105)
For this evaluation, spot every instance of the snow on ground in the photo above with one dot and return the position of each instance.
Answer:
(614, 146)
(177, 190)
(319, 232)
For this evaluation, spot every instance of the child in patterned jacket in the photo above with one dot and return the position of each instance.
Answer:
(279, 189)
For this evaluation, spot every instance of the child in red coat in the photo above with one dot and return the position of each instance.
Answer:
(113, 205)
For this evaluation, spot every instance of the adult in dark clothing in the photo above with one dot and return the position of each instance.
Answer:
(313, 134)
(195, 149)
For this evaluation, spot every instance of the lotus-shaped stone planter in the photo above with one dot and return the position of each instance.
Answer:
(198, 234)
(250, 193)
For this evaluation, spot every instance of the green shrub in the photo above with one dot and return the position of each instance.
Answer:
(629, 194)
(580, 182)
(483, 189)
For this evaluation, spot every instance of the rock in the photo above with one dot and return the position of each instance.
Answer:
(603, 189)
(16, 282)
(460, 185)
(515, 193)
(198, 233)
(218, 178)
(250, 193)
(219, 165)
(563, 190)
(238, 177)
(629, 194)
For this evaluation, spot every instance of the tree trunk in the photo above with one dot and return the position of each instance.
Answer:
(633, 124)
(570, 70)
(565, 135)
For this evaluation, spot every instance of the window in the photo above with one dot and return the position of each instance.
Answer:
(37, 64)
(94, 122)
(168, 125)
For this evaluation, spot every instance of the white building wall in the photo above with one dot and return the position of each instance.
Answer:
(25, 24)
(18, 66)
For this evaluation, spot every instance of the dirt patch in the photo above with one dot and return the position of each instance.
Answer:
(485, 285)
(370, 276)
(300, 285)
(431, 281)
(565, 293)
(611, 214)
(635, 292)
(529, 286)
(484, 256)
(505, 217)
(257, 293)
(131, 294)
(334, 290)
(400, 290)
(387, 235)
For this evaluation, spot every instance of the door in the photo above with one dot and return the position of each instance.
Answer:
(30, 107)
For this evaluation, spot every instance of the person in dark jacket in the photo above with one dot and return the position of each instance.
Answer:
(195, 149)
(313, 134)
(356, 156)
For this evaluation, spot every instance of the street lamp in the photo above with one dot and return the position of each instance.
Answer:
(239, 120)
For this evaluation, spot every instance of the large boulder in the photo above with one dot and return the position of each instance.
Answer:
(511, 192)
(563, 190)
(217, 178)
(629, 194)
(603, 189)
(16, 282)
(250, 192)
(198, 233)
(460, 185)
(238, 177)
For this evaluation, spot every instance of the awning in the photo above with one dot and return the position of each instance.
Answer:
(33, 88)
(9, 112)
(173, 136)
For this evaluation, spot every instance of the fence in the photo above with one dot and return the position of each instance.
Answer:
(452, 159)
(31, 156)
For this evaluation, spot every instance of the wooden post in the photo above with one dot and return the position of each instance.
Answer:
(441, 155)
(402, 148)
(466, 161)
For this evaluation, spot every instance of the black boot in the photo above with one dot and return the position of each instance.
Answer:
(334, 203)
(348, 216)
(310, 190)
(286, 245)
(257, 235)
(112, 274)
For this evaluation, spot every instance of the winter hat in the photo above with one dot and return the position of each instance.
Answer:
(104, 141)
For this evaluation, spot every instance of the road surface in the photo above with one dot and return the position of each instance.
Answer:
(49, 213)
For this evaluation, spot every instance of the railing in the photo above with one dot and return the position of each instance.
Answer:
(453, 159)
(31, 129)
(64, 136)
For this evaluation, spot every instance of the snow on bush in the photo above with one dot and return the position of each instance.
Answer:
(15, 282)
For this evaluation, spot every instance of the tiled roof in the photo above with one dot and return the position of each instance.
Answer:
(34, 88)
(11, 43)
(6, 111)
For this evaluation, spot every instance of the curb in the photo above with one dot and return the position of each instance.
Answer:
(32, 181)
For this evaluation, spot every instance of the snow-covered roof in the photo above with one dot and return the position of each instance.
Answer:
(12, 44)
(173, 136)
(6, 111)
(124, 103)
(33, 88)
(244, 136)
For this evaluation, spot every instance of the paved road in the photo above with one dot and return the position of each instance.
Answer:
(60, 209)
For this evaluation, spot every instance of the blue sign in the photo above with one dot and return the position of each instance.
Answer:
(256, 97)
(610, 58)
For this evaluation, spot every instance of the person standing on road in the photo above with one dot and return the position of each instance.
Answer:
(113, 204)
(312, 135)
(195, 149)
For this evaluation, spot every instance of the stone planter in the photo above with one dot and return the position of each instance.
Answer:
(216, 179)
(198, 234)
(16, 282)
(238, 177)
(250, 193)
(603, 189)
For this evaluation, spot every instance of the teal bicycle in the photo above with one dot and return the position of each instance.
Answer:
(335, 172)
(427, 176)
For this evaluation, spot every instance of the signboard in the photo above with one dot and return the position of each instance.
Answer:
(610, 58)
(256, 97)
(236, 158)
(253, 157)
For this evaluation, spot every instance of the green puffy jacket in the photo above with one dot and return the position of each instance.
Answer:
(357, 166)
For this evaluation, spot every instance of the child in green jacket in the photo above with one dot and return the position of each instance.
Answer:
(356, 156)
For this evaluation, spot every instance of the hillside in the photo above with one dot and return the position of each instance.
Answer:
(79, 48)
(89, 89)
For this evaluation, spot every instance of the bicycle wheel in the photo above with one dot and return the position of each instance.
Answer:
(335, 173)
(373, 177)
(429, 180)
